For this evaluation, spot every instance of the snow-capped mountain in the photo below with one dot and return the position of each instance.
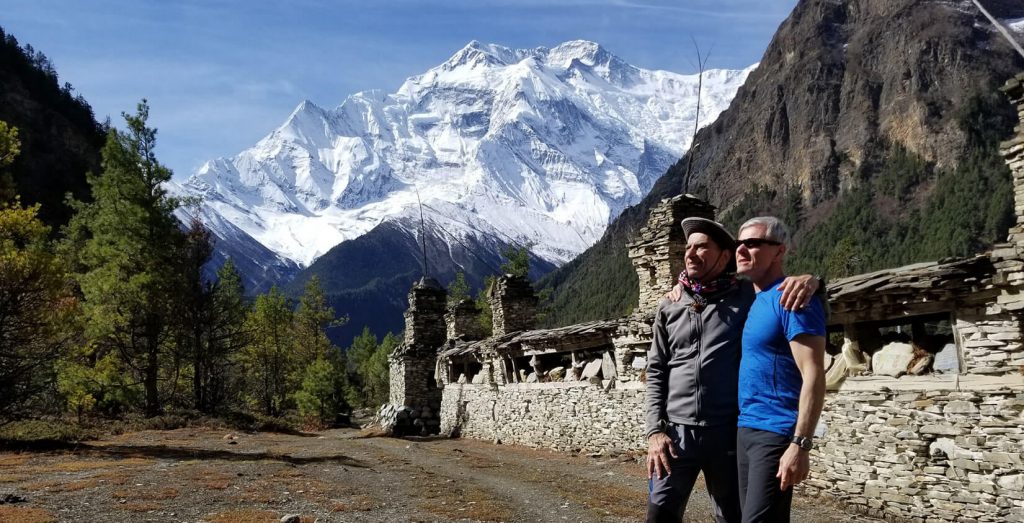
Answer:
(536, 146)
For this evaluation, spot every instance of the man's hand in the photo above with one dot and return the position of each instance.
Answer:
(659, 448)
(797, 291)
(793, 467)
(677, 292)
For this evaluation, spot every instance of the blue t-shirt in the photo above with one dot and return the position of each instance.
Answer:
(769, 388)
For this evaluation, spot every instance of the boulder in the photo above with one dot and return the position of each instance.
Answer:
(608, 370)
(892, 359)
(947, 360)
(639, 363)
(591, 370)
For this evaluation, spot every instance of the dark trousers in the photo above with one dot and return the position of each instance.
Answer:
(757, 454)
(708, 449)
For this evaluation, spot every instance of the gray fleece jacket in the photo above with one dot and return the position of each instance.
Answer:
(693, 362)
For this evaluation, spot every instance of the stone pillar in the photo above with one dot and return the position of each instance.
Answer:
(513, 305)
(414, 396)
(1013, 152)
(424, 319)
(658, 251)
(463, 320)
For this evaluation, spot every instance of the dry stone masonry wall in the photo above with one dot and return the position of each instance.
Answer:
(561, 416)
(923, 455)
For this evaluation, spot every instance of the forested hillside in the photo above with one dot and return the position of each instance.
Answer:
(871, 127)
(60, 138)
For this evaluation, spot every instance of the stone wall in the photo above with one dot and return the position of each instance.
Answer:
(991, 343)
(561, 416)
(1013, 153)
(931, 454)
(463, 321)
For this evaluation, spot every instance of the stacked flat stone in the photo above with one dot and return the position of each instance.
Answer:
(413, 388)
(424, 319)
(658, 251)
(513, 305)
(1013, 153)
(463, 321)
(925, 455)
(573, 416)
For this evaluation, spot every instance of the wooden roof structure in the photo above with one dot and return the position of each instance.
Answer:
(911, 290)
(580, 336)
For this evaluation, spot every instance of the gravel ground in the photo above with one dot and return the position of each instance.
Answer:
(191, 475)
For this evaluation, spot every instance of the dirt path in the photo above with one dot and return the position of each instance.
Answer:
(191, 475)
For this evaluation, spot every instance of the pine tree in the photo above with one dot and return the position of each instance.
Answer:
(458, 290)
(227, 337)
(322, 378)
(269, 360)
(37, 310)
(126, 241)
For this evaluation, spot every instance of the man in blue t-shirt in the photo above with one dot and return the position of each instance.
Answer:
(781, 380)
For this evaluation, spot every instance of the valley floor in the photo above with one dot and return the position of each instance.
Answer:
(190, 475)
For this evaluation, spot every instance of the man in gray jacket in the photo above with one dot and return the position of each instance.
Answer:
(692, 369)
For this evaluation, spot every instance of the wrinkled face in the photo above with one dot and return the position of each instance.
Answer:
(755, 254)
(705, 260)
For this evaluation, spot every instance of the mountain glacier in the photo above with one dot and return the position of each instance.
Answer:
(529, 146)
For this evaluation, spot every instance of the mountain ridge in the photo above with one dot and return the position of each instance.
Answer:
(535, 146)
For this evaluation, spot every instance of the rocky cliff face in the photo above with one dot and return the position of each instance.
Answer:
(842, 85)
(841, 77)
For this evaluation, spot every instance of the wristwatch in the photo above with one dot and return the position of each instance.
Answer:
(804, 442)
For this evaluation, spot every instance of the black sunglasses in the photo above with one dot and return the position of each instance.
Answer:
(753, 243)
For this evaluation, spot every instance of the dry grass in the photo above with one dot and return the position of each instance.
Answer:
(205, 475)
(9, 514)
(113, 477)
(13, 478)
(144, 494)
(244, 516)
(606, 499)
(12, 460)
(82, 465)
(146, 506)
(472, 503)
(60, 486)
(359, 503)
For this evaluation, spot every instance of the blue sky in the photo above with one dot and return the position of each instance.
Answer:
(221, 74)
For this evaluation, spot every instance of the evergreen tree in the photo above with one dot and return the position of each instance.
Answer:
(458, 290)
(317, 399)
(227, 337)
(517, 261)
(322, 377)
(269, 360)
(126, 240)
(37, 310)
(362, 349)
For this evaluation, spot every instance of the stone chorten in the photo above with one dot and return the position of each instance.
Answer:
(415, 399)
(513, 305)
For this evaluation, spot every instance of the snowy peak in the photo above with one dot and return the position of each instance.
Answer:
(541, 146)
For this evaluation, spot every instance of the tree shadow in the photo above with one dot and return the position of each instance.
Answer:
(179, 453)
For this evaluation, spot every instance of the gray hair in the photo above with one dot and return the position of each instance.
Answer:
(774, 228)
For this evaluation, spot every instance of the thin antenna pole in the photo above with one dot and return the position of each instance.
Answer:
(1000, 28)
(701, 61)
(423, 235)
